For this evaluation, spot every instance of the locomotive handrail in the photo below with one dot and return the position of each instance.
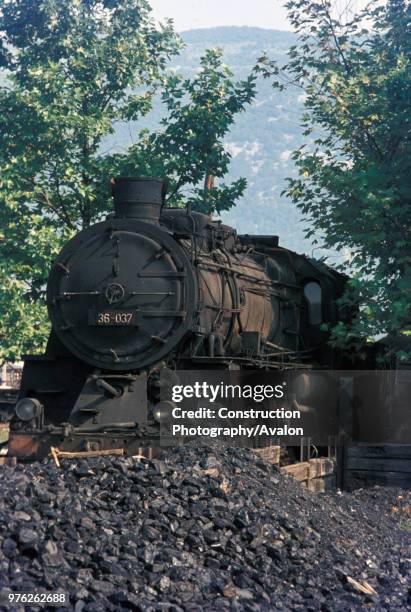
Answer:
(233, 270)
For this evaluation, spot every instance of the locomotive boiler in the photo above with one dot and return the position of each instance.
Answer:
(151, 290)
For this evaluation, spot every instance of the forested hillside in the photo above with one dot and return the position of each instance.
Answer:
(262, 138)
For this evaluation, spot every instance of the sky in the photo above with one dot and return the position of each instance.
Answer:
(189, 14)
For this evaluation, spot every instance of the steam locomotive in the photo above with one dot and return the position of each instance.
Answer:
(153, 289)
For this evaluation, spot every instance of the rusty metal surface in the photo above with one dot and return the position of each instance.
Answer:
(26, 445)
(36, 446)
(240, 294)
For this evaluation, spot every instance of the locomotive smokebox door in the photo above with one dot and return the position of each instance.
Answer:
(121, 294)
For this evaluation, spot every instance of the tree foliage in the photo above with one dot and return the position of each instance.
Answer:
(71, 71)
(354, 173)
(189, 144)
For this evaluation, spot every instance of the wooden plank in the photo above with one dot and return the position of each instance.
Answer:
(374, 464)
(271, 454)
(391, 451)
(322, 485)
(299, 471)
(312, 469)
(58, 454)
(316, 485)
(8, 461)
(4, 433)
(357, 478)
(363, 586)
(321, 467)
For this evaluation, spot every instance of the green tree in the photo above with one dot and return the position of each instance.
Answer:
(353, 178)
(71, 70)
(188, 147)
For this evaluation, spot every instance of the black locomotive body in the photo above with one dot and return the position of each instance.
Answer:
(154, 289)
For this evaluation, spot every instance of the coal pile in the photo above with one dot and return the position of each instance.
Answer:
(199, 528)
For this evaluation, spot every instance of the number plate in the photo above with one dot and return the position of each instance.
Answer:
(112, 317)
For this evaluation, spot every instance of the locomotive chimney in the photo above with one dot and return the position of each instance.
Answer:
(139, 197)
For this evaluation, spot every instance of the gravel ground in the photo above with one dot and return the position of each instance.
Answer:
(200, 528)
